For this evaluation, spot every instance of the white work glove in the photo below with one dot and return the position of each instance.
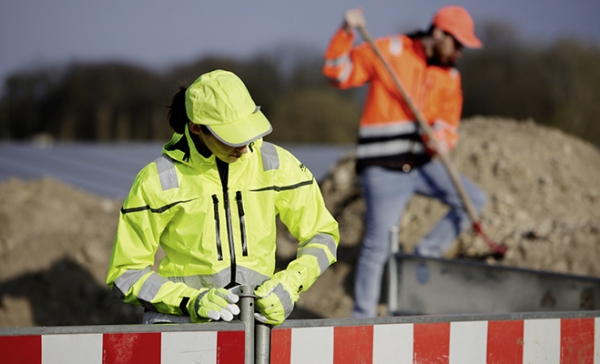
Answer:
(214, 304)
(354, 18)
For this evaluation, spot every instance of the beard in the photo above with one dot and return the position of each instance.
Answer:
(439, 59)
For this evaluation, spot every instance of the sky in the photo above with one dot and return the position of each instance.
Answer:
(158, 34)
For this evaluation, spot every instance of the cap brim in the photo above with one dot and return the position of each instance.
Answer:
(242, 132)
(468, 40)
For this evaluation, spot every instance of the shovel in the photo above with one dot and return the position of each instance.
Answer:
(497, 249)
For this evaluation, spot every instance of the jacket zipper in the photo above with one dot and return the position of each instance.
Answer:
(217, 227)
(240, 205)
(417, 89)
(230, 235)
(224, 175)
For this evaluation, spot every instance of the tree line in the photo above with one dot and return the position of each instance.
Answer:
(555, 84)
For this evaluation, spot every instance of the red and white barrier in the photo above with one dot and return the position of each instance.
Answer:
(560, 340)
(535, 341)
(206, 347)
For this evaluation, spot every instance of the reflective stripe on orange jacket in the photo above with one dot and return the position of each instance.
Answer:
(388, 133)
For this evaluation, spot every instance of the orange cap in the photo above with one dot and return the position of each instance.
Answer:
(458, 22)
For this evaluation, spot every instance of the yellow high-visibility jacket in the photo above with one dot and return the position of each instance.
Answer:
(215, 234)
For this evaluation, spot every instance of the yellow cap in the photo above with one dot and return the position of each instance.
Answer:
(220, 100)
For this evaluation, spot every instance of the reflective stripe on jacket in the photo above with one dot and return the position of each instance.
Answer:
(388, 133)
(215, 235)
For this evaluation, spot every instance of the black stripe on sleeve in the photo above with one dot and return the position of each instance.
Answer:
(285, 188)
(158, 210)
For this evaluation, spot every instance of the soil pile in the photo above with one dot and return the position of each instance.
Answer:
(55, 245)
(543, 188)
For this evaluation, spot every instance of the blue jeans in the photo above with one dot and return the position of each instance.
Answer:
(386, 194)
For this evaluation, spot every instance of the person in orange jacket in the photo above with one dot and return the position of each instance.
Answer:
(394, 159)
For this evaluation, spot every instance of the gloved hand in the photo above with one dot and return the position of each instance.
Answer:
(214, 304)
(276, 297)
(445, 137)
(354, 18)
(437, 147)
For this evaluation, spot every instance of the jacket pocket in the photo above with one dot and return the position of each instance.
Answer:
(217, 227)
(240, 206)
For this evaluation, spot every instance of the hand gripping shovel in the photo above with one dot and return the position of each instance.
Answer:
(499, 250)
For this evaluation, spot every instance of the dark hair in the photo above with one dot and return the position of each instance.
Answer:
(418, 34)
(177, 115)
(430, 29)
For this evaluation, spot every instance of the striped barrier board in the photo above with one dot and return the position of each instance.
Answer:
(526, 341)
(527, 338)
(172, 347)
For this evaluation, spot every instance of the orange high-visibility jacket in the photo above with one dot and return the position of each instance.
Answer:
(389, 134)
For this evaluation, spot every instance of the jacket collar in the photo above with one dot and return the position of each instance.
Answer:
(190, 150)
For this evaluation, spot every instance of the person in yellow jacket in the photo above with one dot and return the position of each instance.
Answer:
(211, 201)
(394, 159)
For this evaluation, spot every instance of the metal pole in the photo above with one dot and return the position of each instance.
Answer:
(392, 296)
(263, 343)
(246, 294)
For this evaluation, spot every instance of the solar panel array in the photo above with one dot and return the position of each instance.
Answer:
(108, 169)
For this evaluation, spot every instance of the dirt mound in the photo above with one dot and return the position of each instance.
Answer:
(544, 204)
(543, 188)
(55, 245)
